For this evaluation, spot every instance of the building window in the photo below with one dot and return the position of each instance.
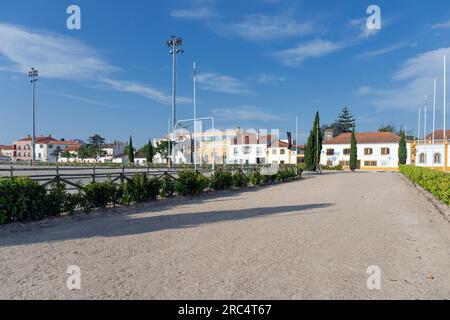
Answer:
(235, 151)
(385, 151)
(437, 158)
(423, 158)
(344, 163)
(19, 154)
(246, 150)
(19, 148)
(282, 151)
(274, 151)
(330, 152)
(347, 151)
(329, 163)
(259, 151)
(370, 163)
(368, 151)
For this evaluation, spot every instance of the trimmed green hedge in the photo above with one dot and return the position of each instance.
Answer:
(435, 182)
(22, 199)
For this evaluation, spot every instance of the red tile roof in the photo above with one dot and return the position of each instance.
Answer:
(2, 147)
(365, 137)
(43, 140)
(439, 134)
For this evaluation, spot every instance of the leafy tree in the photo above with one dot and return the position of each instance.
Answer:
(66, 154)
(96, 140)
(94, 147)
(163, 149)
(131, 151)
(314, 146)
(387, 128)
(345, 122)
(402, 150)
(353, 152)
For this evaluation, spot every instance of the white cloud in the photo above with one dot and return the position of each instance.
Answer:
(443, 25)
(201, 13)
(267, 78)
(257, 27)
(415, 80)
(314, 49)
(386, 50)
(59, 57)
(144, 90)
(222, 83)
(361, 26)
(55, 56)
(244, 113)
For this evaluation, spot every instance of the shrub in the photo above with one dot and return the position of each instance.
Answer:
(221, 180)
(140, 189)
(240, 180)
(191, 183)
(167, 187)
(22, 199)
(435, 182)
(96, 195)
(57, 199)
(255, 177)
(333, 168)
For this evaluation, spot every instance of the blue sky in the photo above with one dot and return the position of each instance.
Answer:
(260, 63)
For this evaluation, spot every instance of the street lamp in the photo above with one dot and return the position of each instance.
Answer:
(33, 74)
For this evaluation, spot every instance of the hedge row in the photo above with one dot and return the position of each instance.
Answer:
(435, 182)
(22, 199)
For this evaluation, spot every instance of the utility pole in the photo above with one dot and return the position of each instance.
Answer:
(33, 74)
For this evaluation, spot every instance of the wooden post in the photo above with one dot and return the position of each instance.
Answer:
(12, 171)
(122, 175)
(93, 175)
(57, 174)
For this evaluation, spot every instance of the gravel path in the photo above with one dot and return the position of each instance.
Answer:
(311, 239)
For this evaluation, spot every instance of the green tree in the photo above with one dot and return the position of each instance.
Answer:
(150, 152)
(313, 147)
(387, 128)
(95, 146)
(345, 122)
(130, 151)
(353, 152)
(402, 150)
(163, 149)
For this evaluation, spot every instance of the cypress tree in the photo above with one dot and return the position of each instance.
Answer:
(353, 152)
(313, 147)
(150, 152)
(402, 150)
(131, 151)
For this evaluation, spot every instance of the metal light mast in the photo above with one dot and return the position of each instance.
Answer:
(33, 74)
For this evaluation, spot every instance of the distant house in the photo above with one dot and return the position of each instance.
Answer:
(376, 151)
(281, 153)
(7, 151)
(48, 148)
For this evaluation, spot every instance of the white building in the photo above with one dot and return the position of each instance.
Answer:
(279, 153)
(376, 151)
(247, 154)
(434, 155)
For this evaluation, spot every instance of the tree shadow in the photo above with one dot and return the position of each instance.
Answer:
(141, 220)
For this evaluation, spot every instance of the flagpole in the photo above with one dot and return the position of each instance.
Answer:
(425, 122)
(434, 121)
(195, 116)
(445, 97)
(419, 125)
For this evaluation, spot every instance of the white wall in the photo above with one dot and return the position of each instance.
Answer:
(383, 161)
(429, 150)
(247, 154)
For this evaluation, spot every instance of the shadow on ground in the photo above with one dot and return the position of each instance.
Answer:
(143, 219)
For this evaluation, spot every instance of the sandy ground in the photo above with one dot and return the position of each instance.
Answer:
(311, 239)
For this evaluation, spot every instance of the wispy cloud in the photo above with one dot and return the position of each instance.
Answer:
(361, 26)
(59, 57)
(295, 56)
(257, 27)
(202, 13)
(144, 90)
(443, 25)
(267, 78)
(222, 83)
(85, 100)
(386, 50)
(244, 113)
(411, 82)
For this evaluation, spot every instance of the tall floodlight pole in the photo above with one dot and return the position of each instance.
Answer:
(33, 74)
(296, 139)
(195, 116)
(174, 43)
